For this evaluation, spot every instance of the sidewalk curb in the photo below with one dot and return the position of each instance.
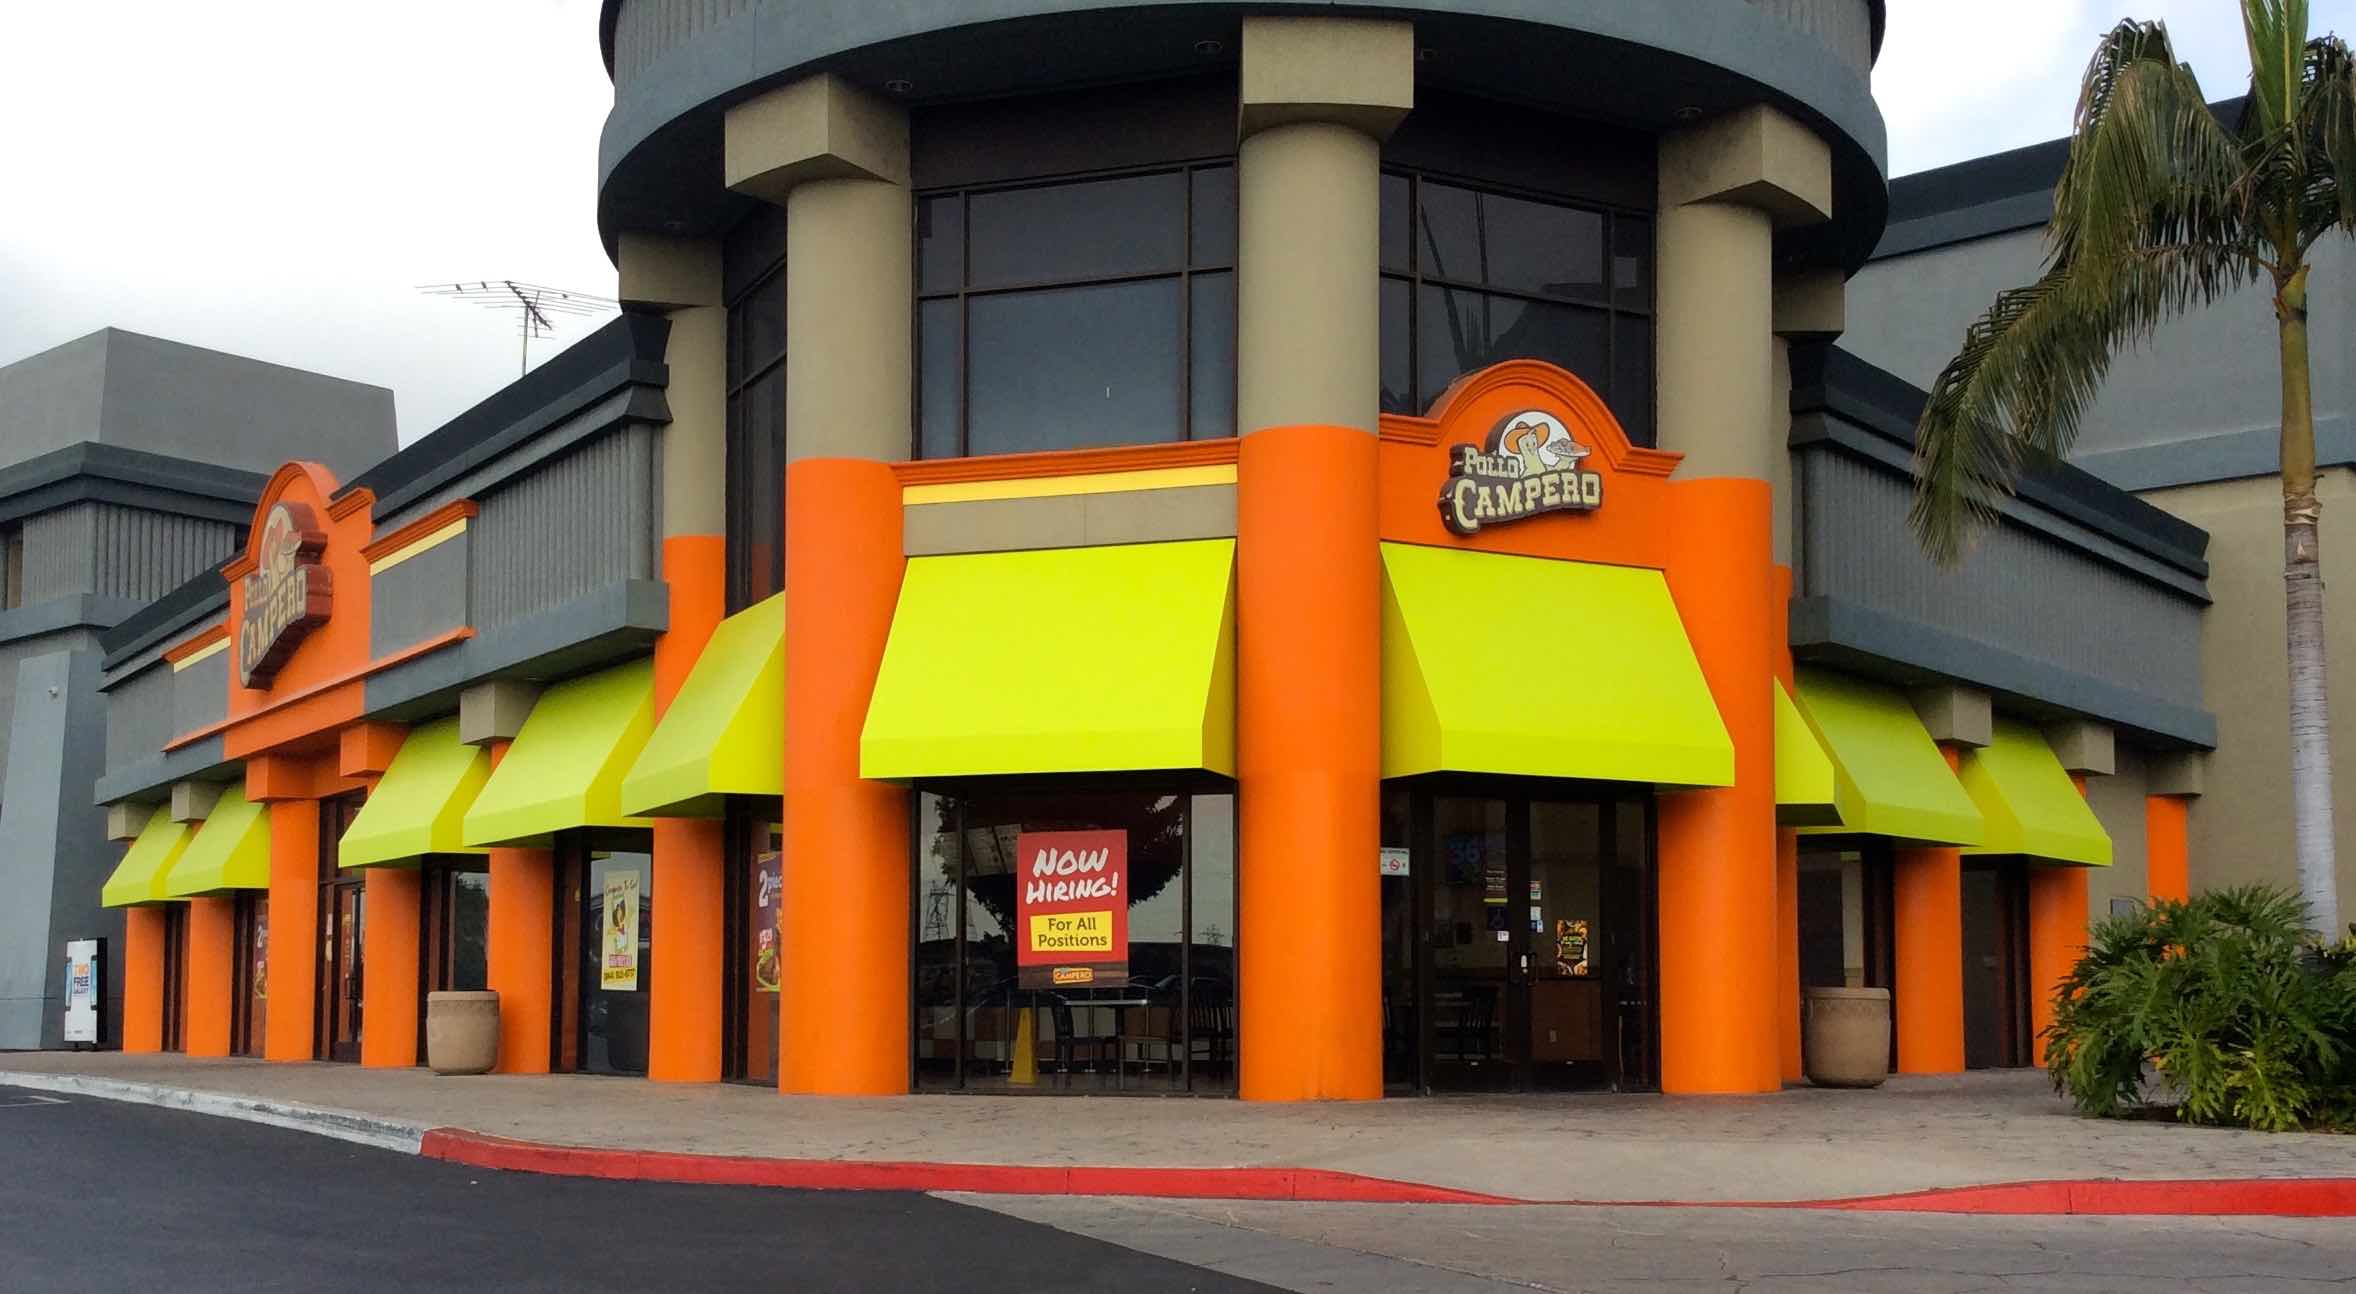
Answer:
(324, 1121)
(2297, 1197)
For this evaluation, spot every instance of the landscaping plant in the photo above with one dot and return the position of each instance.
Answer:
(2223, 1006)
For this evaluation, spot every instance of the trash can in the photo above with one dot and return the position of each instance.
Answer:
(462, 1032)
(1845, 1036)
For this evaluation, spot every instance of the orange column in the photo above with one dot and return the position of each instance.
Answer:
(520, 953)
(143, 979)
(1718, 904)
(690, 860)
(2167, 860)
(1926, 895)
(2057, 938)
(843, 910)
(294, 930)
(212, 955)
(1308, 691)
(389, 933)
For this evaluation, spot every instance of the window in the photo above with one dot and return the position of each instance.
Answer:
(754, 274)
(1472, 276)
(458, 924)
(604, 952)
(1162, 1019)
(1076, 314)
(249, 1008)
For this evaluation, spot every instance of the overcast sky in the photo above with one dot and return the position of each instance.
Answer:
(276, 177)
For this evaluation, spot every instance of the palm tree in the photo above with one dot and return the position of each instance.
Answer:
(2162, 208)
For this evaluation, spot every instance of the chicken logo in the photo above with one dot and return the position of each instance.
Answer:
(286, 596)
(1531, 464)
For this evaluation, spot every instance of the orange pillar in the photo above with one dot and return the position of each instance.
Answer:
(1308, 670)
(143, 979)
(843, 910)
(1718, 904)
(2057, 938)
(2167, 859)
(391, 924)
(1787, 951)
(520, 953)
(1926, 895)
(690, 856)
(212, 956)
(294, 930)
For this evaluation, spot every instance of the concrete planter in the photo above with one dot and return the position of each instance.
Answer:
(461, 1032)
(1845, 1036)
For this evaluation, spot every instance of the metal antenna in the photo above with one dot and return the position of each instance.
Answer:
(532, 303)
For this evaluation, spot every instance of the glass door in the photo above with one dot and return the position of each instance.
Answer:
(341, 959)
(617, 961)
(1473, 951)
(175, 976)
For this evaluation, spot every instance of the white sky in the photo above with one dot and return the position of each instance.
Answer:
(275, 177)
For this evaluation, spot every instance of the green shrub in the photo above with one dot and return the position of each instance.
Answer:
(2224, 1002)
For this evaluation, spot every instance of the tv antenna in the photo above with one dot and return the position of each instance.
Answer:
(536, 306)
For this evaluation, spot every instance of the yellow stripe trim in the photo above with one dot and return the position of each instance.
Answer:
(1042, 487)
(206, 652)
(416, 546)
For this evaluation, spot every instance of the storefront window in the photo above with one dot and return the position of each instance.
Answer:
(1474, 276)
(614, 952)
(756, 844)
(458, 924)
(754, 272)
(1076, 314)
(1074, 941)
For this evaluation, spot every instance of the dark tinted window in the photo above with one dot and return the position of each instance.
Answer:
(1474, 276)
(1077, 313)
(755, 273)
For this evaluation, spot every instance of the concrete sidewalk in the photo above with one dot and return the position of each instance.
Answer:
(1798, 1145)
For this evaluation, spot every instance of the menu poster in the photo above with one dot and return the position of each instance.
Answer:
(1072, 908)
(768, 878)
(619, 966)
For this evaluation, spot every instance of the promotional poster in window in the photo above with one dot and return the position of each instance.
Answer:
(1072, 908)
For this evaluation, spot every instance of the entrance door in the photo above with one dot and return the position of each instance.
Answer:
(342, 963)
(175, 976)
(617, 961)
(1535, 958)
(1995, 966)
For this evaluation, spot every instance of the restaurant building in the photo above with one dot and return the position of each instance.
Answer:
(1178, 548)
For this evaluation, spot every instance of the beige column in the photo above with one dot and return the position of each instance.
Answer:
(1726, 186)
(837, 158)
(1317, 96)
(679, 278)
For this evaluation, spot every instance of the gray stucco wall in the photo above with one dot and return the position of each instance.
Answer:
(15, 654)
(119, 552)
(126, 388)
(422, 596)
(2202, 401)
(573, 526)
(139, 716)
(200, 696)
(56, 856)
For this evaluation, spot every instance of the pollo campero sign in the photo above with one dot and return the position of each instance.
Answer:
(287, 595)
(1071, 907)
(1530, 465)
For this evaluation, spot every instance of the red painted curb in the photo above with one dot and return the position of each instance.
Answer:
(2307, 1197)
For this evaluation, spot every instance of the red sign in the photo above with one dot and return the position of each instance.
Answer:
(1071, 910)
(288, 593)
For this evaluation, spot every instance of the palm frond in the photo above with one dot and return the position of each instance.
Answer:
(2277, 34)
(2327, 126)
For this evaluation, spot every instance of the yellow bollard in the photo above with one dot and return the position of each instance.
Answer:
(1026, 1051)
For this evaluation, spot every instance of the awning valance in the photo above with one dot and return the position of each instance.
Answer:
(724, 733)
(1522, 665)
(1889, 778)
(1065, 660)
(138, 879)
(1806, 793)
(231, 851)
(565, 767)
(419, 805)
(2031, 806)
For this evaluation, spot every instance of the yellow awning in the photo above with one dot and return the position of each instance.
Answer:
(565, 767)
(1063, 660)
(419, 805)
(2031, 806)
(1521, 665)
(231, 851)
(1805, 794)
(138, 879)
(1889, 778)
(724, 733)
